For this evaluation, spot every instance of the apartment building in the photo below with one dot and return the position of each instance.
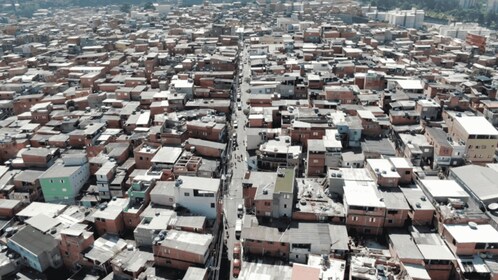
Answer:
(181, 250)
(365, 210)
(477, 135)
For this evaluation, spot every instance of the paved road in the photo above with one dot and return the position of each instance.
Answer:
(233, 197)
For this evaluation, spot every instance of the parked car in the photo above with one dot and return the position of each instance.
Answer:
(238, 228)
(240, 211)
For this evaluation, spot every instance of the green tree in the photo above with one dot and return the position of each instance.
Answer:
(149, 6)
(125, 8)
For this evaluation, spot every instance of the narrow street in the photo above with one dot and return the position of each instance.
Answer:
(237, 165)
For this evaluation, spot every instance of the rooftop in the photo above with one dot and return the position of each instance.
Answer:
(358, 195)
(479, 180)
(477, 233)
(199, 183)
(167, 155)
(36, 208)
(34, 241)
(189, 242)
(285, 180)
(439, 189)
(476, 125)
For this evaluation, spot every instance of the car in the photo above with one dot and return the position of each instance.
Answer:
(234, 135)
(236, 268)
(239, 106)
(238, 229)
(240, 211)
(235, 124)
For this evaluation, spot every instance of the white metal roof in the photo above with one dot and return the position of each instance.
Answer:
(476, 125)
(484, 233)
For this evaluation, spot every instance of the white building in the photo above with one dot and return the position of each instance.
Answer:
(199, 195)
(407, 18)
(104, 176)
(460, 30)
(185, 86)
(150, 227)
(333, 147)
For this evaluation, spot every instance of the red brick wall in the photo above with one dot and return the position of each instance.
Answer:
(275, 249)
(110, 226)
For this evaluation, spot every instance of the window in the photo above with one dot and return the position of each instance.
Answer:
(389, 221)
(212, 205)
(371, 220)
(492, 245)
(51, 181)
(480, 246)
(64, 189)
(186, 194)
(285, 205)
(355, 218)
(408, 172)
(141, 158)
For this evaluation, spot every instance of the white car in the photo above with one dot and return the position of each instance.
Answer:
(235, 124)
(239, 106)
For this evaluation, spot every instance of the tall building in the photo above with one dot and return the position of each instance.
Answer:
(460, 30)
(63, 181)
(477, 135)
(408, 18)
(492, 5)
(466, 4)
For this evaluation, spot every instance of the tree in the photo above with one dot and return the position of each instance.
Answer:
(149, 6)
(125, 8)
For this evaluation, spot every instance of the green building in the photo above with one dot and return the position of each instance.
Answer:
(62, 182)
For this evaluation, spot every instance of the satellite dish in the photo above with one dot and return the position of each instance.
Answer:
(493, 206)
(472, 225)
